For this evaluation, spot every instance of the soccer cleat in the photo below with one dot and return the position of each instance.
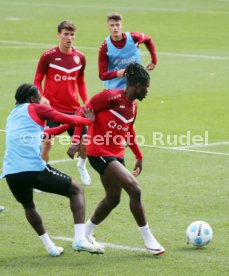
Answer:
(84, 245)
(156, 251)
(84, 175)
(55, 251)
(92, 240)
(2, 208)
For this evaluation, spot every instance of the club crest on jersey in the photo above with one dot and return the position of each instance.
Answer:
(76, 59)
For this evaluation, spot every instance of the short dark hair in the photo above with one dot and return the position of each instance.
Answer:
(66, 24)
(24, 92)
(114, 16)
(136, 73)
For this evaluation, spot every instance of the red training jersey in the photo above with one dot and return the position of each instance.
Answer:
(103, 61)
(64, 79)
(113, 125)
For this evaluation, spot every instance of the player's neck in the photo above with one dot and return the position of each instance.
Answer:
(129, 94)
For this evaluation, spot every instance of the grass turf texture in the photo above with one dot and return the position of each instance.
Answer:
(189, 91)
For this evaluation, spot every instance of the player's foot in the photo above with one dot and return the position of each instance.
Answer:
(84, 245)
(55, 251)
(92, 240)
(156, 251)
(84, 175)
(2, 208)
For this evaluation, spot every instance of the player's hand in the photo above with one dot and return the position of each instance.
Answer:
(89, 114)
(73, 149)
(150, 66)
(138, 168)
(121, 73)
(44, 101)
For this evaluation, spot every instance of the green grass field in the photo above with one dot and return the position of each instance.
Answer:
(189, 92)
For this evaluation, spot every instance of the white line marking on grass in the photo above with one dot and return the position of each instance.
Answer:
(107, 245)
(24, 45)
(97, 7)
(184, 149)
(204, 145)
(61, 161)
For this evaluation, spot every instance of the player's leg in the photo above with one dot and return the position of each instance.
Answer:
(115, 172)
(19, 185)
(55, 181)
(82, 158)
(109, 202)
(81, 163)
(103, 209)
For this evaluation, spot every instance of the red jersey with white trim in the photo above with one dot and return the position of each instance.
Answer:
(113, 125)
(64, 73)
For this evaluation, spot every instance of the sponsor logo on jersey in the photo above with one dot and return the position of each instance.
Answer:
(58, 78)
(115, 125)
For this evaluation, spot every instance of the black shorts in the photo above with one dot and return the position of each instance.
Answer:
(100, 163)
(49, 180)
(70, 131)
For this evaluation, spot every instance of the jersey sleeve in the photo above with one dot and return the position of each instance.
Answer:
(42, 112)
(132, 143)
(50, 132)
(82, 89)
(42, 68)
(103, 63)
(38, 82)
(143, 38)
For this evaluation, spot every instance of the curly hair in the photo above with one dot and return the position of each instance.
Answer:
(24, 92)
(136, 73)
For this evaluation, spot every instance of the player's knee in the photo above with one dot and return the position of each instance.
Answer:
(134, 190)
(76, 188)
(28, 205)
(114, 202)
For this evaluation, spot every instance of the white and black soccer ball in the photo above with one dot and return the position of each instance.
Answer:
(199, 233)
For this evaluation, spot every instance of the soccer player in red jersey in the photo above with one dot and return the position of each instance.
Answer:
(115, 113)
(62, 69)
(120, 49)
(24, 168)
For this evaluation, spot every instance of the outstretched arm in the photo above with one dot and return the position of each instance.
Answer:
(140, 38)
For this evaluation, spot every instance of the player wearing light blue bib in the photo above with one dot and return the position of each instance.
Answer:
(119, 59)
(120, 49)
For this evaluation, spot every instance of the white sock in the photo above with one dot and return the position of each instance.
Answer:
(81, 162)
(148, 237)
(79, 230)
(89, 227)
(47, 242)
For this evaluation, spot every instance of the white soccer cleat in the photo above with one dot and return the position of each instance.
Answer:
(2, 208)
(84, 175)
(92, 240)
(84, 245)
(55, 251)
(156, 251)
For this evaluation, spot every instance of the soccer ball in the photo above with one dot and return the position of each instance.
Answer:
(199, 233)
